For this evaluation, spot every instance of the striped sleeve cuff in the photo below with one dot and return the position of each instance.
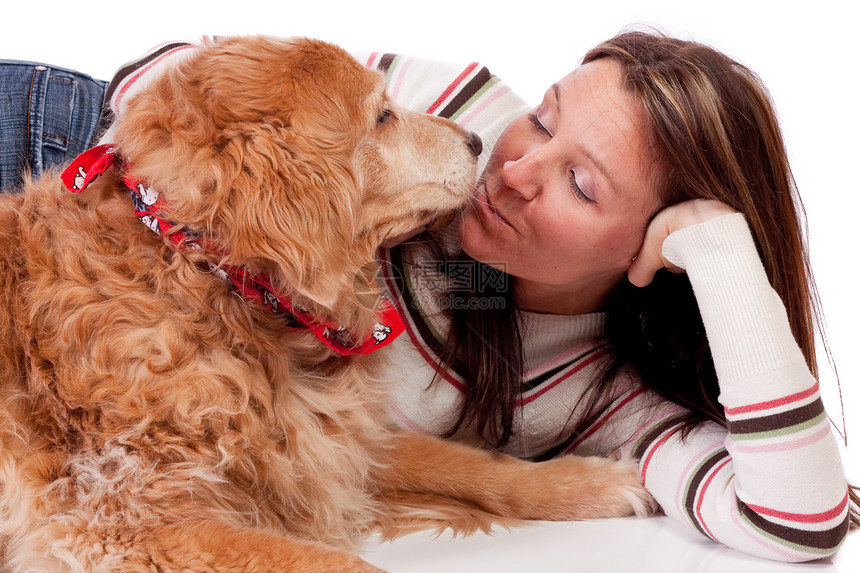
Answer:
(788, 509)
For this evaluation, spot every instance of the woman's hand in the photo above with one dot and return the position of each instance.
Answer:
(650, 258)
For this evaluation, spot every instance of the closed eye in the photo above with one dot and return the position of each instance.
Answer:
(577, 190)
(539, 124)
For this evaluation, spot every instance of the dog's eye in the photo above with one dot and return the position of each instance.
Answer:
(385, 116)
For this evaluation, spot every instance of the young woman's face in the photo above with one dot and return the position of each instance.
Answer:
(567, 194)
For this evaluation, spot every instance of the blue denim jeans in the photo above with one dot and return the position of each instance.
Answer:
(48, 115)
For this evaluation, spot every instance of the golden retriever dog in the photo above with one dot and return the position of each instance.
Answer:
(157, 417)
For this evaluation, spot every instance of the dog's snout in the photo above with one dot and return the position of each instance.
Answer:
(475, 144)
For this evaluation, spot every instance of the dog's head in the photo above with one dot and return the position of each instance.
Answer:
(289, 154)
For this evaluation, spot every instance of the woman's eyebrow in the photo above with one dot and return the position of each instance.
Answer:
(557, 91)
(601, 166)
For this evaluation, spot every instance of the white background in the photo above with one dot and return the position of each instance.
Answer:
(805, 52)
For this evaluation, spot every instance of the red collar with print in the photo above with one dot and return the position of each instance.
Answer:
(93, 162)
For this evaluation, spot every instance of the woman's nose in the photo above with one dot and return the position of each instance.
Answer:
(523, 176)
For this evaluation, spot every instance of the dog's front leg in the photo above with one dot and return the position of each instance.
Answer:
(198, 545)
(431, 483)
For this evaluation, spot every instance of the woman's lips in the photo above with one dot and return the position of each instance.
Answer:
(487, 205)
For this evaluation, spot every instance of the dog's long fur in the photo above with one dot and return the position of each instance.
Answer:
(153, 420)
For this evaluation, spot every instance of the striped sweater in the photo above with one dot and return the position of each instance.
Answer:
(770, 484)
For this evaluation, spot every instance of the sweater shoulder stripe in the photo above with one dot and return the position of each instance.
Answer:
(394, 67)
(493, 93)
(475, 86)
(140, 71)
(385, 62)
(107, 114)
(132, 67)
(451, 87)
(468, 109)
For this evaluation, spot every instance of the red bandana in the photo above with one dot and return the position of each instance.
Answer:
(93, 162)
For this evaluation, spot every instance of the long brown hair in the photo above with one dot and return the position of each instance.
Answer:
(716, 131)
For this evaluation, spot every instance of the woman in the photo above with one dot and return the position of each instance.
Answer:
(653, 153)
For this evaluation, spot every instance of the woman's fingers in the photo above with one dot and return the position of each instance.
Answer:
(650, 258)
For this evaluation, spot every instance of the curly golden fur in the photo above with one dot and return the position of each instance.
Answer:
(153, 420)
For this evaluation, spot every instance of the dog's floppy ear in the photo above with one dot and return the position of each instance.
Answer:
(288, 208)
(214, 137)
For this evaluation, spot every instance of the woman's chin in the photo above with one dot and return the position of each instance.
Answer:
(472, 235)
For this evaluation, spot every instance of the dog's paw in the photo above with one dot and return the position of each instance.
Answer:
(576, 488)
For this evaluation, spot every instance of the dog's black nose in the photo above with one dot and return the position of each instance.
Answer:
(475, 144)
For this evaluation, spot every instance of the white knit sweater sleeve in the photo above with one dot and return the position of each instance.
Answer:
(772, 484)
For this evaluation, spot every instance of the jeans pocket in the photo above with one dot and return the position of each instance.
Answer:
(57, 120)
